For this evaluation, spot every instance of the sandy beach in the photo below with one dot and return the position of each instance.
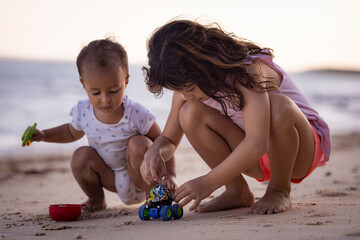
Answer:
(326, 205)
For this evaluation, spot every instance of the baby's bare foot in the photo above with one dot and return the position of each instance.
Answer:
(272, 202)
(94, 205)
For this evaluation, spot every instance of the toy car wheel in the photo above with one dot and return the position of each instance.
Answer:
(154, 213)
(144, 213)
(166, 213)
(177, 211)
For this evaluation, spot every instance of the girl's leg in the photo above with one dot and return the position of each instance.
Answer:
(92, 174)
(214, 136)
(291, 153)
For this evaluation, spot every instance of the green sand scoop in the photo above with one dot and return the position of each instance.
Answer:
(27, 135)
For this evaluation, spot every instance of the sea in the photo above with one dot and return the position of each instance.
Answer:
(45, 91)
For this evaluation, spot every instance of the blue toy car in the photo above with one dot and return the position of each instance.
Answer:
(159, 205)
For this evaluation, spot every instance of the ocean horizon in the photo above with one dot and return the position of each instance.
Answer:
(45, 91)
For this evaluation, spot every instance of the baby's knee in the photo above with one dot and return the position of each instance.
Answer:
(80, 158)
(136, 149)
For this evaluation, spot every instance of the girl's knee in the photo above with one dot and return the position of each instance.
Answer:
(282, 110)
(190, 114)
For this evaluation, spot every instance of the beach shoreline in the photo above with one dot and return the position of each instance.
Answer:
(325, 206)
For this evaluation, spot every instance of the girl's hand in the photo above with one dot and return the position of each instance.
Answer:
(153, 167)
(170, 182)
(38, 136)
(197, 189)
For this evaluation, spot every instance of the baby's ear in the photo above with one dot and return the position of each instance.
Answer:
(82, 82)
(127, 79)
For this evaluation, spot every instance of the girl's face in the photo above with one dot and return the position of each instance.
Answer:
(193, 92)
(106, 90)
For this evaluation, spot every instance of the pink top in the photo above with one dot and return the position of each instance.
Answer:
(288, 88)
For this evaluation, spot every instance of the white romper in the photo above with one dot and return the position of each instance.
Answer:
(110, 140)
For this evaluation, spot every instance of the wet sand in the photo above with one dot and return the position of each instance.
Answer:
(326, 205)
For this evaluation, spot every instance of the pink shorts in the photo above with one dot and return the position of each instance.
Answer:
(265, 164)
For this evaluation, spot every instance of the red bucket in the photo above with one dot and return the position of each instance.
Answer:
(65, 212)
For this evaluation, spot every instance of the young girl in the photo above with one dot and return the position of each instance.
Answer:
(240, 111)
(118, 129)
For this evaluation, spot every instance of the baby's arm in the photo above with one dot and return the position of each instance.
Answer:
(62, 134)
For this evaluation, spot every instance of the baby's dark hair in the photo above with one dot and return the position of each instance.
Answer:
(184, 52)
(102, 54)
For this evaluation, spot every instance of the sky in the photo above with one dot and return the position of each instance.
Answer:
(306, 34)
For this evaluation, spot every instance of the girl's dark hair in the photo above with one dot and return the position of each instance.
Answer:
(183, 52)
(102, 53)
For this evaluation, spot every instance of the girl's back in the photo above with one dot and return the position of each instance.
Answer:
(288, 88)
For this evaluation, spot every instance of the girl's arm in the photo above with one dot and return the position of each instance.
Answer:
(153, 167)
(61, 134)
(256, 115)
(153, 134)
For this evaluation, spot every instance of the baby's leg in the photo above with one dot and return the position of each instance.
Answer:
(137, 146)
(290, 154)
(92, 174)
(214, 136)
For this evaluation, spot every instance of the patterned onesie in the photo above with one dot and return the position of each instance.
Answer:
(110, 140)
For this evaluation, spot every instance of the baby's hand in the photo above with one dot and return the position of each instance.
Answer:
(27, 135)
(38, 136)
(170, 182)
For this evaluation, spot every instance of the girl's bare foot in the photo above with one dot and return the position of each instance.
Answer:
(231, 198)
(94, 205)
(272, 202)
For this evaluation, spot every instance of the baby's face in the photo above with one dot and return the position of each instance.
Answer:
(106, 89)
